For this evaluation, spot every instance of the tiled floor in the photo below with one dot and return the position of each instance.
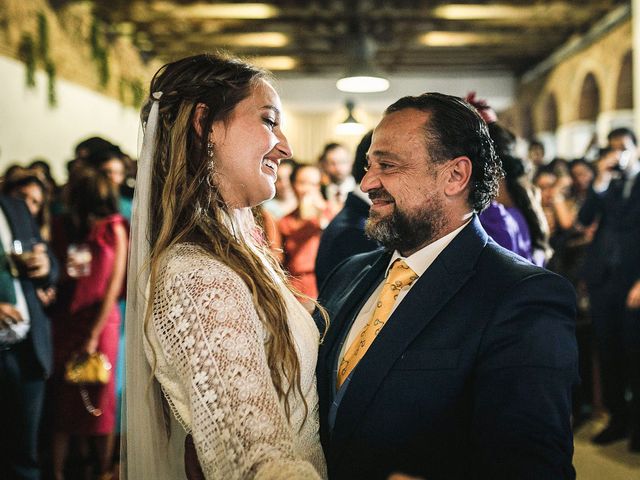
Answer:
(613, 462)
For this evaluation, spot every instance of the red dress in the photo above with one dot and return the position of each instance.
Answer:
(72, 317)
(300, 242)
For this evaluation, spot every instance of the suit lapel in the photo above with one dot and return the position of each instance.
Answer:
(363, 285)
(6, 210)
(449, 272)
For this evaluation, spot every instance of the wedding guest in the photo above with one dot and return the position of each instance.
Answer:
(86, 317)
(42, 166)
(301, 231)
(31, 186)
(25, 339)
(345, 235)
(335, 163)
(113, 164)
(520, 221)
(612, 273)
(535, 155)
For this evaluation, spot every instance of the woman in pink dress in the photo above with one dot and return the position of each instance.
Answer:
(86, 317)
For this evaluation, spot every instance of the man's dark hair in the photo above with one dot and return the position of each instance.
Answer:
(42, 164)
(536, 143)
(454, 128)
(96, 158)
(604, 151)
(91, 145)
(360, 160)
(622, 132)
(328, 148)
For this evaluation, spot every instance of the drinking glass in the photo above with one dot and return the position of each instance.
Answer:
(78, 260)
(21, 253)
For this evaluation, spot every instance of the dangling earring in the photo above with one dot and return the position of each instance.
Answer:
(210, 170)
(210, 165)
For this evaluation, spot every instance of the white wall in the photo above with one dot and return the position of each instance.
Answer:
(574, 138)
(313, 107)
(607, 121)
(30, 128)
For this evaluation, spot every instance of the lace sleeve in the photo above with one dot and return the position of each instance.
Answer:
(211, 335)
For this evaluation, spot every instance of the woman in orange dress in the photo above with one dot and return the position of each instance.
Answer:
(301, 231)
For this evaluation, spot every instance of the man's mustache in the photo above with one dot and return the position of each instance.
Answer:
(380, 194)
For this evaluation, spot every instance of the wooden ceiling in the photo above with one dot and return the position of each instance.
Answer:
(322, 36)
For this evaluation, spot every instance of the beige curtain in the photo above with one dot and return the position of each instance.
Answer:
(308, 132)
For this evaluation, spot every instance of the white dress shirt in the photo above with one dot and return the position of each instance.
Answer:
(419, 262)
(347, 186)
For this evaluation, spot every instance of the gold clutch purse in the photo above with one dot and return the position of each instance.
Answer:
(93, 369)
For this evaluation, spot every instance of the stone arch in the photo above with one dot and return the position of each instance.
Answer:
(589, 104)
(526, 122)
(624, 92)
(549, 118)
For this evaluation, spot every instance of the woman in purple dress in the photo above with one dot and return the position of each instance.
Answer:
(518, 198)
(521, 200)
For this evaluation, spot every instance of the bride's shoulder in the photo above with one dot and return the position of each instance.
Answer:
(189, 260)
(189, 275)
(183, 257)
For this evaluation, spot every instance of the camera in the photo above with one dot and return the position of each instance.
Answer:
(624, 157)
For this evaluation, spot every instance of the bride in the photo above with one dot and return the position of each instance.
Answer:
(217, 345)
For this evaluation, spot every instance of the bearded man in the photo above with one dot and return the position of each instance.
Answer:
(448, 357)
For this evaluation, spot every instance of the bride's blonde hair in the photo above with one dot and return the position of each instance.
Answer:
(186, 205)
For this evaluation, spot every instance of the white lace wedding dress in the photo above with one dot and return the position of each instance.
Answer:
(207, 345)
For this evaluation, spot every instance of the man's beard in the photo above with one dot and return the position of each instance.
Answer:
(405, 231)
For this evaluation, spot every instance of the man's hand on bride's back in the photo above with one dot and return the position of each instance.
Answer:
(191, 463)
(194, 471)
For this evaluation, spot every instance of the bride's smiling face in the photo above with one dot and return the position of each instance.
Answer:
(249, 148)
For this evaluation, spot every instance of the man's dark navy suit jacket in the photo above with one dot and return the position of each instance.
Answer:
(470, 378)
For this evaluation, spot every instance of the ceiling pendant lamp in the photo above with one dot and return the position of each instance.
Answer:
(350, 126)
(361, 74)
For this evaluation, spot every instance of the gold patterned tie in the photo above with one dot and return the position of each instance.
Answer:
(400, 276)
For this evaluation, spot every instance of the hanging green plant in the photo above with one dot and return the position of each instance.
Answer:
(27, 52)
(99, 52)
(104, 73)
(122, 87)
(43, 37)
(137, 91)
(51, 84)
(94, 38)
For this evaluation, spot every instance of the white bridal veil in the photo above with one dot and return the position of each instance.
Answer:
(144, 449)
